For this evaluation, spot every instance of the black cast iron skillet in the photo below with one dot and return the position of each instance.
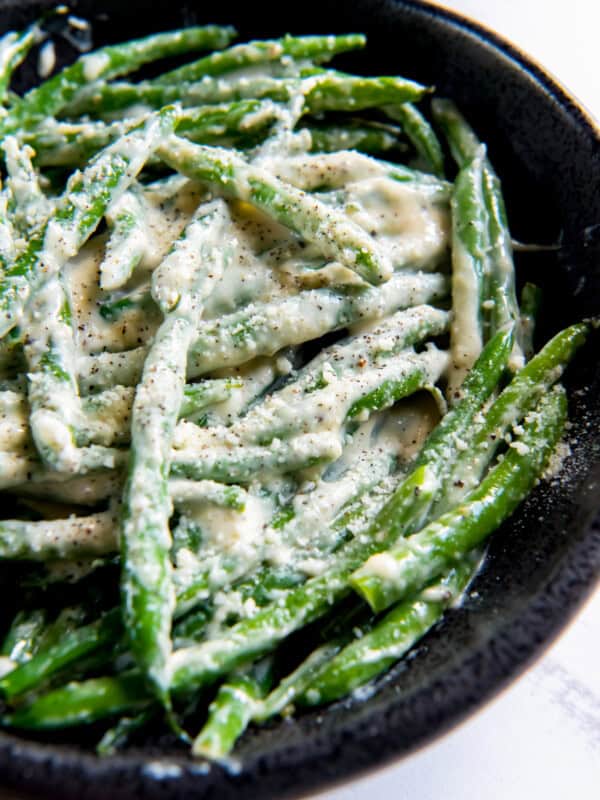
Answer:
(543, 562)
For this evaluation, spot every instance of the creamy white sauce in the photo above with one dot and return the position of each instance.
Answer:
(265, 262)
(413, 228)
(46, 59)
(94, 66)
(465, 327)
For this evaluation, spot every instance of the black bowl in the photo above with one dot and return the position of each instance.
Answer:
(542, 563)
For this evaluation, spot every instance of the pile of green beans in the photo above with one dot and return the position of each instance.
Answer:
(238, 394)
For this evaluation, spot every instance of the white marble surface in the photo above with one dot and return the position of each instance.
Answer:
(540, 738)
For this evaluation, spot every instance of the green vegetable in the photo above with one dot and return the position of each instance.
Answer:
(421, 135)
(390, 576)
(119, 734)
(78, 213)
(224, 341)
(14, 48)
(501, 292)
(469, 290)
(377, 650)
(241, 56)
(82, 702)
(148, 595)
(70, 648)
(231, 711)
(108, 62)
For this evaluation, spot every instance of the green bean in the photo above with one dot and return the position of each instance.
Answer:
(362, 135)
(241, 56)
(79, 211)
(27, 204)
(175, 280)
(108, 411)
(208, 124)
(345, 374)
(336, 91)
(502, 295)
(56, 417)
(44, 540)
(107, 101)
(145, 537)
(14, 48)
(59, 538)
(254, 379)
(70, 648)
(108, 62)
(336, 236)
(296, 683)
(389, 391)
(502, 291)
(439, 451)
(85, 490)
(105, 417)
(231, 711)
(69, 144)
(321, 91)
(531, 301)
(183, 492)
(420, 134)
(66, 620)
(197, 396)
(242, 463)
(7, 253)
(82, 702)
(469, 244)
(114, 738)
(375, 651)
(283, 434)
(314, 519)
(127, 242)
(242, 700)
(461, 138)
(392, 575)
(487, 434)
(21, 641)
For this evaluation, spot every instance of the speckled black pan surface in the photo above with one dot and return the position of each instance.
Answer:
(542, 563)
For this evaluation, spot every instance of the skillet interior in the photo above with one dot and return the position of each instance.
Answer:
(543, 561)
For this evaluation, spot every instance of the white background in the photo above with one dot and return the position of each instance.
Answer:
(541, 737)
